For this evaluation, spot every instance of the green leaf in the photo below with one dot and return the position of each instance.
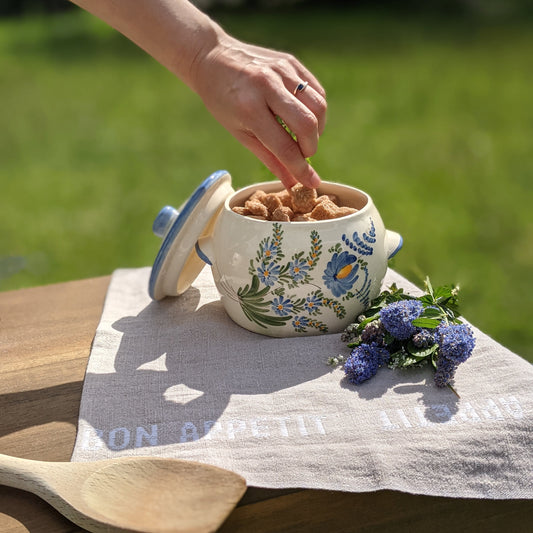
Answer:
(426, 299)
(274, 320)
(421, 353)
(409, 361)
(255, 296)
(431, 312)
(429, 323)
(256, 315)
(243, 290)
(255, 284)
(443, 292)
(401, 359)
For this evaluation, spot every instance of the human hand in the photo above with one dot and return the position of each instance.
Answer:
(246, 87)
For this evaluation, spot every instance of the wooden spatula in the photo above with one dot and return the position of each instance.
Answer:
(147, 494)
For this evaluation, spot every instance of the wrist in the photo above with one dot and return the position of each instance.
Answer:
(207, 43)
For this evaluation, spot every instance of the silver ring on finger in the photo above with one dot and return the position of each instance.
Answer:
(301, 87)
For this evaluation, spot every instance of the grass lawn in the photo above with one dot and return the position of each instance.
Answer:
(433, 117)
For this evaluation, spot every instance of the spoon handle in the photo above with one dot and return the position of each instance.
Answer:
(44, 479)
(19, 473)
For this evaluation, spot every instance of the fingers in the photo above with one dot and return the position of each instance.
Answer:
(305, 115)
(292, 72)
(268, 158)
(288, 64)
(278, 151)
(254, 86)
(306, 75)
(316, 103)
(302, 124)
(313, 97)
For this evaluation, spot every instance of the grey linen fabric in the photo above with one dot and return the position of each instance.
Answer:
(178, 378)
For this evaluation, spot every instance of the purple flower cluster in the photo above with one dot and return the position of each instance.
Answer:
(397, 318)
(424, 338)
(373, 332)
(389, 337)
(456, 343)
(364, 361)
(445, 372)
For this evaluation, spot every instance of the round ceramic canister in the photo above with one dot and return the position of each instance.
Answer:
(280, 279)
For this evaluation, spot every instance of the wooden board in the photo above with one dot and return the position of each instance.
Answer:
(45, 341)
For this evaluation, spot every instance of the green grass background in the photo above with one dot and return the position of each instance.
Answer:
(432, 116)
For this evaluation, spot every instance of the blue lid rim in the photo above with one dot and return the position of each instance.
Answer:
(178, 224)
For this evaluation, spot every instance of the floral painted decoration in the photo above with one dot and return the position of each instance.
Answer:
(269, 300)
(402, 331)
(341, 273)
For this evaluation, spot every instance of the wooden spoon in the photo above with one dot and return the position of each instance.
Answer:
(149, 494)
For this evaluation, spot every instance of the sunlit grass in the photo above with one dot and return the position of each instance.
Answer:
(432, 117)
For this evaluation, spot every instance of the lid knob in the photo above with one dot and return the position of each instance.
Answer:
(164, 220)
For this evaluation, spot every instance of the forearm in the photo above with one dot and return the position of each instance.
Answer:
(174, 32)
(245, 87)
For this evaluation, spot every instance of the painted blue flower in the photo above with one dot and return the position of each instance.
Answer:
(282, 306)
(298, 269)
(269, 250)
(312, 303)
(300, 323)
(341, 273)
(268, 274)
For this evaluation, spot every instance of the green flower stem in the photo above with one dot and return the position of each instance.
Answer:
(291, 133)
(453, 390)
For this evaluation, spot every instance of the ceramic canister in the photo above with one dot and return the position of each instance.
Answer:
(276, 278)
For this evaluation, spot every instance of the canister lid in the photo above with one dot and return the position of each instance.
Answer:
(177, 264)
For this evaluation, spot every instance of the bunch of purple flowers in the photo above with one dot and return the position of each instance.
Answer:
(400, 331)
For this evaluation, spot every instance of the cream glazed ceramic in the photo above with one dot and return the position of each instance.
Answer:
(283, 279)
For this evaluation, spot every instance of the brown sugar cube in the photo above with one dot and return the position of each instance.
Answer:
(306, 217)
(332, 197)
(271, 202)
(303, 198)
(345, 211)
(258, 195)
(255, 207)
(285, 197)
(325, 210)
(283, 214)
(240, 210)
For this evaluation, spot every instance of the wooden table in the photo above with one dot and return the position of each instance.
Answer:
(45, 340)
